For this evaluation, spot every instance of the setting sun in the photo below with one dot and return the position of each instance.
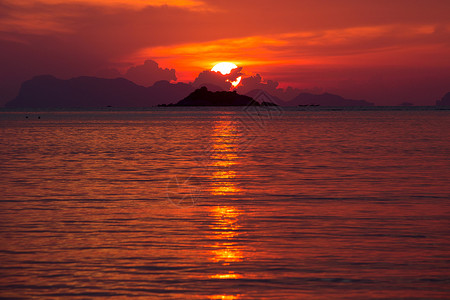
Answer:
(225, 68)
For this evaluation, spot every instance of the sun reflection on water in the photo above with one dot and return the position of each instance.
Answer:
(224, 155)
(225, 225)
(224, 297)
(225, 230)
(226, 276)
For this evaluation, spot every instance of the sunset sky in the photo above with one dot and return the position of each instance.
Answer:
(385, 51)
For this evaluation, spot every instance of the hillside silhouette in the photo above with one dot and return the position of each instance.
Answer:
(325, 99)
(263, 96)
(47, 91)
(445, 101)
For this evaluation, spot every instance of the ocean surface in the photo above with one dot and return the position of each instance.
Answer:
(232, 203)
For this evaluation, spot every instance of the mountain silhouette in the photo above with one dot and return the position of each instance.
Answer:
(264, 97)
(211, 87)
(203, 97)
(445, 101)
(325, 99)
(164, 92)
(47, 91)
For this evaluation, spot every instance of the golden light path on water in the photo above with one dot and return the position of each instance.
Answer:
(225, 228)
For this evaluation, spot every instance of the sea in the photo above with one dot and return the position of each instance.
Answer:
(225, 203)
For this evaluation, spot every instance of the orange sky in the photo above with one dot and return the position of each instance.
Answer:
(382, 51)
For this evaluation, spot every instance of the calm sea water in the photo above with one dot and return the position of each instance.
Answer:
(225, 204)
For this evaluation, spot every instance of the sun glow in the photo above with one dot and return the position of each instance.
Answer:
(225, 68)
(236, 82)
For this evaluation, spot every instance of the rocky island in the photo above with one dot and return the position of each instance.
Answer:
(203, 97)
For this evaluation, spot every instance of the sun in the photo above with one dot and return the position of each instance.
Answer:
(225, 68)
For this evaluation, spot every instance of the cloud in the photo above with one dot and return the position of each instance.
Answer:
(148, 73)
(256, 83)
(145, 74)
(137, 4)
(292, 15)
(208, 77)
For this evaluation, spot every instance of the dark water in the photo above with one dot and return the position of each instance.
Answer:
(231, 204)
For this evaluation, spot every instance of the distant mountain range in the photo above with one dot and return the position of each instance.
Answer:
(262, 96)
(47, 91)
(325, 100)
(445, 101)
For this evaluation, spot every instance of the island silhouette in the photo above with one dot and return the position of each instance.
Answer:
(325, 99)
(203, 97)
